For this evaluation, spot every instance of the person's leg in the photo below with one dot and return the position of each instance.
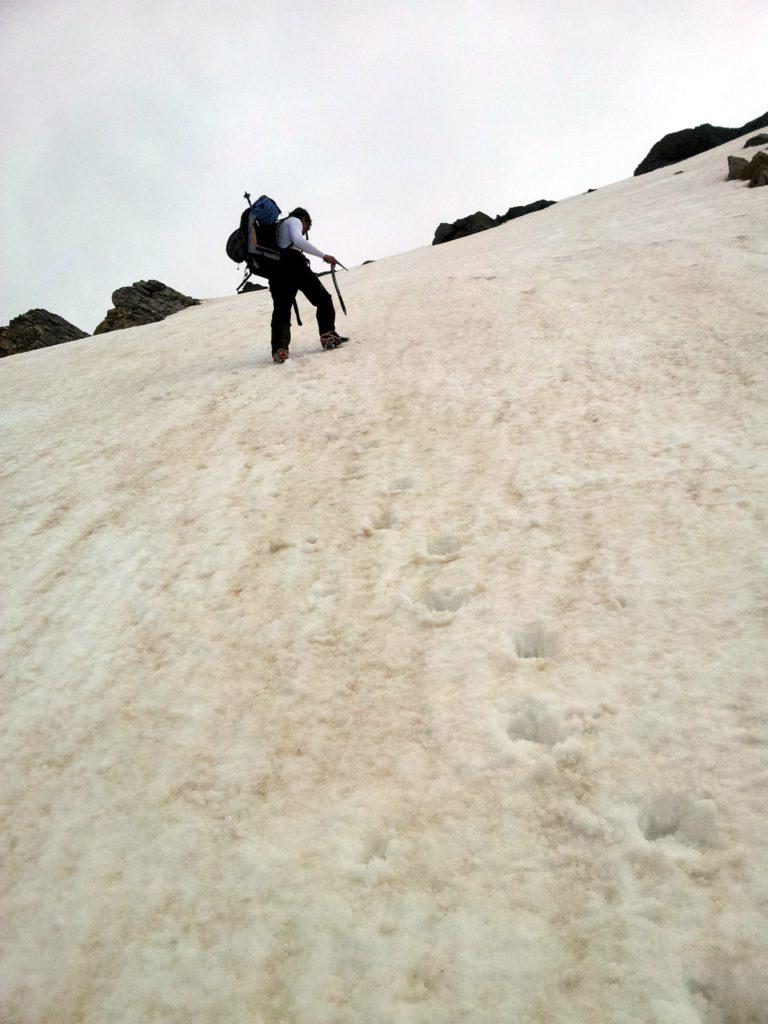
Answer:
(312, 287)
(283, 292)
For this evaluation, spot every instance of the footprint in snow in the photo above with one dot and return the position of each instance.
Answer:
(372, 865)
(376, 848)
(384, 521)
(540, 727)
(404, 483)
(676, 815)
(536, 720)
(443, 549)
(536, 641)
(354, 471)
(438, 607)
(320, 596)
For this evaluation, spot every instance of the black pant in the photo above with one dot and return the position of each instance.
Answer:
(293, 275)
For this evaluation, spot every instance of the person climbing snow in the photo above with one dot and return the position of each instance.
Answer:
(292, 275)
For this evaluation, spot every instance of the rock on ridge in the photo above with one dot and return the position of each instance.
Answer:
(143, 302)
(689, 142)
(37, 328)
(481, 221)
(521, 211)
(462, 227)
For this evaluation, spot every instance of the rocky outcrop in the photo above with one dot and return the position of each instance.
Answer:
(755, 171)
(756, 140)
(689, 142)
(481, 221)
(737, 165)
(521, 211)
(37, 328)
(461, 228)
(143, 302)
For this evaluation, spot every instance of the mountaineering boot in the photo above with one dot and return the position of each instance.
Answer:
(280, 355)
(331, 339)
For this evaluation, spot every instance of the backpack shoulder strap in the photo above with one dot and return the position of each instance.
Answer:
(277, 228)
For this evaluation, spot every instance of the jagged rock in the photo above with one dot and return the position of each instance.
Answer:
(758, 170)
(681, 145)
(755, 171)
(464, 226)
(737, 168)
(249, 286)
(756, 140)
(481, 221)
(521, 211)
(37, 328)
(143, 302)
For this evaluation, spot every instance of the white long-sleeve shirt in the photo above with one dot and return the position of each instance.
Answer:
(289, 236)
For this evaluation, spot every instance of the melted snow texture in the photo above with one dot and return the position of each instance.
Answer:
(418, 681)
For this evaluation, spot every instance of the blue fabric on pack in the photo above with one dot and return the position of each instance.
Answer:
(265, 210)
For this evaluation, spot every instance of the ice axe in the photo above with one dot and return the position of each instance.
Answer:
(247, 198)
(336, 286)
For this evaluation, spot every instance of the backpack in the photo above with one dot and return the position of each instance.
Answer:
(254, 241)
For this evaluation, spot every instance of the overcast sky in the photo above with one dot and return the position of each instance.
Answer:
(131, 129)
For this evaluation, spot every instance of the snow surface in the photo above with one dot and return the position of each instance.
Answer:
(421, 681)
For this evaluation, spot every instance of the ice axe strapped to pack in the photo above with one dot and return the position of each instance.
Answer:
(262, 229)
(254, 242)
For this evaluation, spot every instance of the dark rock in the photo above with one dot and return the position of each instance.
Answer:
(520, 211)
(481, 221)
(464, 226)
(758, 170)
(755, 171)
(36, 328)
(756, 140)
(737, 168)
(366, 262)
(143, 302)
(689, 142)
(249, 286)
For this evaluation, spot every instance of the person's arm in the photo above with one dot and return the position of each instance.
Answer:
(298, 240)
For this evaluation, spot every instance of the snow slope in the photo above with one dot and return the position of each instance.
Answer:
(421, 681)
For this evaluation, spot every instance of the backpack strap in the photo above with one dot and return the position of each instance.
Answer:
(277, 228)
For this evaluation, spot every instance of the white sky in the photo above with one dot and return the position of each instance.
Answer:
(130, 130)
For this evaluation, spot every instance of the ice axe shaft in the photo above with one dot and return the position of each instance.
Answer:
(336, 286)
